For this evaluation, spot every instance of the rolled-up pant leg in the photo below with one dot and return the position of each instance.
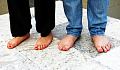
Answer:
(20, 19)
(45, 16)
(73, 11)
(97, 16)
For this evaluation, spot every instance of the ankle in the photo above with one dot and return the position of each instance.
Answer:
(27, 35)
(72, 37)
(50, 34)
(96, 36)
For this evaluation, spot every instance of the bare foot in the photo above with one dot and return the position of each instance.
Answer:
(67, 42)
(102, 44)
(43, 42)
(17, 40)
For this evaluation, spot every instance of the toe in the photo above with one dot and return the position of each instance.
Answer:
(107, 47)
(36, 48)
(14, 44)
(109, 44)
(9, 47)
(99, 49)
(8, 43)
(60, 46)
(65, 49)
(39, 47)
(44, 46)
(105, 50)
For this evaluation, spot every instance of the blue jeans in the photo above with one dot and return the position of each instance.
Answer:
(96, 13)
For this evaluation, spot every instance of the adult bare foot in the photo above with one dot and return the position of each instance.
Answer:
(102, 44)
(67, 42)
(17, 40)
(43, 42)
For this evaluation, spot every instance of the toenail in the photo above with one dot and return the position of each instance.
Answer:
(105, 51)
(60, 48)
(100, 50)
(36, 47)
(41, 48)
(45, 46)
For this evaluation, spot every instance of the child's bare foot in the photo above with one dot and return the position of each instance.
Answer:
(67, 42)
(43, 42)
(17, 40)
(102, 44)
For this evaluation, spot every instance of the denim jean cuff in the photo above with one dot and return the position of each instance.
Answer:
(74, 34)
(97, 34)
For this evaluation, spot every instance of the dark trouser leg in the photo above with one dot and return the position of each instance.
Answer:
(20, 19)
(45, 16)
